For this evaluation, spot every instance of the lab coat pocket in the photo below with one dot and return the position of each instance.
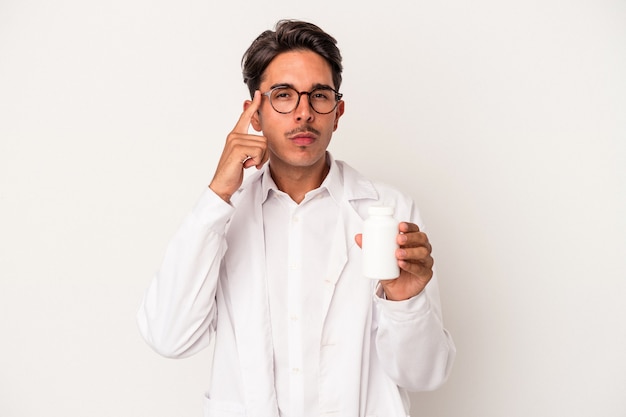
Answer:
(213, 408)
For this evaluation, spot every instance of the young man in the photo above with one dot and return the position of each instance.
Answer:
(270, 268)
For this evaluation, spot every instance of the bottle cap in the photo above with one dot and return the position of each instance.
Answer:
(381, 210)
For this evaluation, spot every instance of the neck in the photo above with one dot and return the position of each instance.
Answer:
(297, 181)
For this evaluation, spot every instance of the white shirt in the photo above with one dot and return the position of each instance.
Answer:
(298, 239)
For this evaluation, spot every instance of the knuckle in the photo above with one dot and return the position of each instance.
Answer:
(422, 253)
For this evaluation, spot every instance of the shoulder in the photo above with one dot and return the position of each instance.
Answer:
(363, 192)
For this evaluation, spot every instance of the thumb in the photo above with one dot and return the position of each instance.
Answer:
(359, 240)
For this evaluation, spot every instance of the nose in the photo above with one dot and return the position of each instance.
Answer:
(303, 110)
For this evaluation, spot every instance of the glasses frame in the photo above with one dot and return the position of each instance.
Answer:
(338, 97)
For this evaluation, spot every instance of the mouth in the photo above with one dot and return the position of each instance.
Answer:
(303, 138)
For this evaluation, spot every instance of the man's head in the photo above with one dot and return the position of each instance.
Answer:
(297, 70)
(290, 35)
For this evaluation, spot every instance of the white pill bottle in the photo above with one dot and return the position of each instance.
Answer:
(379, 244)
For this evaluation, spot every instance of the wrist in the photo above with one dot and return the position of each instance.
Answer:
(223, 195)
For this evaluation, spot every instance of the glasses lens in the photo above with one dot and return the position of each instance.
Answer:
(284, 99)
(323, 100)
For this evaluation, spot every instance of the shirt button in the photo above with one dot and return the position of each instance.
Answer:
(293, 317)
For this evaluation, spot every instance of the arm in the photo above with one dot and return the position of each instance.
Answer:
(414, 347)
(177, 314)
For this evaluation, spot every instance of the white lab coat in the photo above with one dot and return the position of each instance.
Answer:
(212, 285)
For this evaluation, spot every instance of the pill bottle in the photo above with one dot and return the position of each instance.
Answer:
(379, 244)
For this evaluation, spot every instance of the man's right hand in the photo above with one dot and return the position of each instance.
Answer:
(241, 151)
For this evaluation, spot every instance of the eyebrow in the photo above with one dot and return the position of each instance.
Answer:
(315, 86)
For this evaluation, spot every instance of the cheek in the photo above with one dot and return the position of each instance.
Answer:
(267, 121)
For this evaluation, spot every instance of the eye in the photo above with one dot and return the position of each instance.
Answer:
(283, 94)
(322, 95)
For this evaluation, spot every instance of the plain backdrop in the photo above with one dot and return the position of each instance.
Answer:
(506, 121)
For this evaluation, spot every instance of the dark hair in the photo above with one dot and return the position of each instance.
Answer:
(289, 35)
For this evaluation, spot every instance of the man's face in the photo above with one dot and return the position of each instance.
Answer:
(300, 138)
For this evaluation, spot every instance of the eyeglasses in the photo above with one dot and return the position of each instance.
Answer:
(322, 100)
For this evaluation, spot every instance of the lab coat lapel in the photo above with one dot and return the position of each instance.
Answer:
(247, 284)
(348, 225)
(354, 187)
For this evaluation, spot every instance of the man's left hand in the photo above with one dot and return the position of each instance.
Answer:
(415, 262)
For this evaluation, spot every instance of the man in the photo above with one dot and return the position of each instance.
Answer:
(270, 268)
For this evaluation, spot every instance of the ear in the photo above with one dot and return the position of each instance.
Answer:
(255, 118)
(338, 113)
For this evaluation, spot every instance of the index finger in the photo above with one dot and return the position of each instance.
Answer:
(244, 120)
(406, 227)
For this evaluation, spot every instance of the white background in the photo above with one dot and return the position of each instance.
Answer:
(505, 120)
